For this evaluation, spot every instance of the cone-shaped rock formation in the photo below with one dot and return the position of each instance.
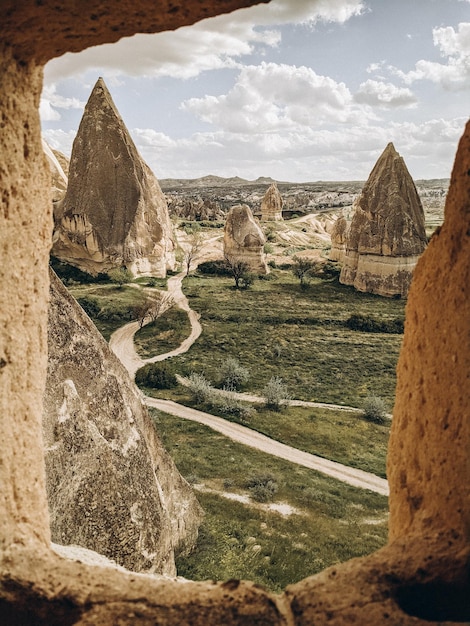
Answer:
(114, 213)
(111, 485)
(244, 239)
(387, 234)
(58, 166)
(271, 205)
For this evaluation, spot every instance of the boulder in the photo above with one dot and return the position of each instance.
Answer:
(387, 233)
(111, 485)
(244, 240)
(114, 213)
(338, 239)
(271, 205)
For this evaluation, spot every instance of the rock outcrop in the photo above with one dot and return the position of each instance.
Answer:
(58, 165)
(114, 213)
(338, 239)
(271, 205)
(387, 233)
(244, 240)
(111, 485)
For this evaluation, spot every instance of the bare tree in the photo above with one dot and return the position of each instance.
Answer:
(153, 307)
(195, 244)
(238, 268)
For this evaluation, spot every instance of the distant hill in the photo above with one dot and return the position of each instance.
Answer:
(215, 181)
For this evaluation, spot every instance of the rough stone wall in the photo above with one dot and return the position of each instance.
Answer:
(420, 578)
(111, 485)
(244, 239)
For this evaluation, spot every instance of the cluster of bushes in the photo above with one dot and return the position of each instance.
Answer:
(275, 394)
(214, 268)
(156, 376)
(204, 393)
(368, 324)
(70, 274)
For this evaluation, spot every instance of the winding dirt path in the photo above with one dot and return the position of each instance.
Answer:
(122, 344)
(253, 439)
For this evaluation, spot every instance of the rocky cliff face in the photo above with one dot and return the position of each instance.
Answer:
(271, 205)
(244, 239)
(387, 233)
(111, 485)
(114, 213)
(338, 239)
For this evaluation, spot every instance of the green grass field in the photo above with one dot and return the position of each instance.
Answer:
(277, 329)
(334, 521)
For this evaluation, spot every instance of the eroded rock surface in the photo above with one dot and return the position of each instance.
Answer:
(387, 233)
(58, 166)
(271, 205)
(114, 213)
(338, 239)
(244, 239)
(111, 485)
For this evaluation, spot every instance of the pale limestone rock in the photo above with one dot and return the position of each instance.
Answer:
(114, 213)
(59, 171)
(338, 239)
(387, 234)
(112, 487)
(244, 240)
(271, 205)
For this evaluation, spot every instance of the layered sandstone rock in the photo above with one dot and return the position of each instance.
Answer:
(271, 205)
(387, 234)
(338, 239)
(244, 240)
(111, 485)
(114, 213)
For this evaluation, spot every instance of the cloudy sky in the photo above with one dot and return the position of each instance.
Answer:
(299, 90)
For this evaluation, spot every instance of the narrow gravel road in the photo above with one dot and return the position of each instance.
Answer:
(253, 439)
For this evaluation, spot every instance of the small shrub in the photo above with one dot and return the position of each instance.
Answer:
(275, 394)
(233, 375)
(374, 410)
(90, 305)
(200, 387)
(120, 276)
(228, 405)
(262, 487)
(368, 324)
(156, 375)
(272, 264)
(268, 248)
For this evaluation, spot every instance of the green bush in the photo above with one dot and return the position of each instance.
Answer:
(200, 387)
(214, 268)
(374, 410)
(275, 394)
(368, 324)
(262, 487)
(268, 248)
(233, 375)
(90, 305)
(156, 375)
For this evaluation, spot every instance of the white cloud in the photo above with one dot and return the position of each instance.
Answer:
(454, 46)
(51, 101)
(210, 44)
(278, 97)
(384, 95)
(60, 140)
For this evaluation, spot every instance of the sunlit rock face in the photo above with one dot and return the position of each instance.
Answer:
(244, 240)
(58, 166)
(338, 239)
(271, 205)
(111, 485)
(114, 213)
(387, 233)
